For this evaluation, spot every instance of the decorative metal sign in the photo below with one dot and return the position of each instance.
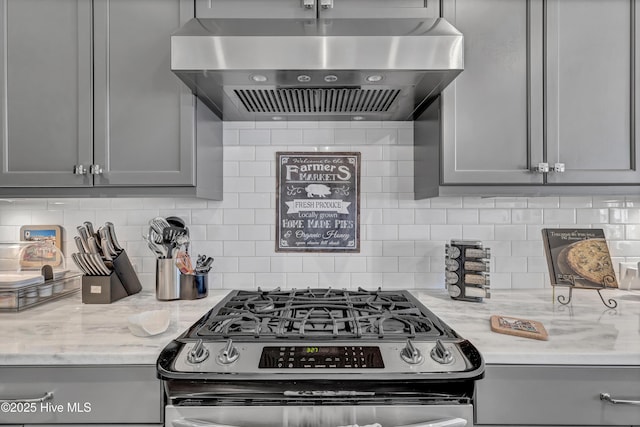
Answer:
(318, 202)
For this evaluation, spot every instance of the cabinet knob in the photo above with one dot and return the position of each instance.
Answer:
(558, 168)
(95, 170)
(541, 168)
(79, 170)
(309, 4)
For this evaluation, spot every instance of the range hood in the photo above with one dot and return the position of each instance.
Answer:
(342, 69)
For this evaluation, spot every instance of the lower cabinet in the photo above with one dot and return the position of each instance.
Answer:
(526, 395)
(80, 395)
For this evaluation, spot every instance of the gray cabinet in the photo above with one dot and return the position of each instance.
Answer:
(546, 82)
(492, 113)
(591, 92)
(81, 395)
(45, 91)
(87, 87)
(144, 116)
(317, 8)
(521, 395)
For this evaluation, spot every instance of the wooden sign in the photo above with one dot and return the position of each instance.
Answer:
(318, 202)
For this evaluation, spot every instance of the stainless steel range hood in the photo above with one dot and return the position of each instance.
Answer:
(343, 69)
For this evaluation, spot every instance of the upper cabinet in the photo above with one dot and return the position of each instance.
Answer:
(91, 107)
(592, 49)
(46, 87)
(312, 9)
(548, 98)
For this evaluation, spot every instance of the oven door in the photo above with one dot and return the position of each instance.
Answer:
(459, 415)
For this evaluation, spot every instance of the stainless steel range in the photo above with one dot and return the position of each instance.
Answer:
(319, 357)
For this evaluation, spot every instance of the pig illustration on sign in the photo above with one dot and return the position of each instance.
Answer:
(319, 190)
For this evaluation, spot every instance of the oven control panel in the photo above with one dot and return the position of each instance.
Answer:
(295, 357)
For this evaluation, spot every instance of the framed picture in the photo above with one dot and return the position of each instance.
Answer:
(318, 202)
(42, 252)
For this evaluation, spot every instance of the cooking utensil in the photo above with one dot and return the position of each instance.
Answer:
(89, 226)
(158, 224)
(183, 262)
(107, 245)
(93, 245)
(84, 235)
(176, 221)
(99, 263)
(80, 244)
(80, 264)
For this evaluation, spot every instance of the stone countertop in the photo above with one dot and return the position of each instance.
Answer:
(67, 332)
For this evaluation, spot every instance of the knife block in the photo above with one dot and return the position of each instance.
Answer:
(122, 282)
(102, 289)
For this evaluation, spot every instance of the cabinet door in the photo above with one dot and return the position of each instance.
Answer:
(592, 49)
(256, 8)
(379, 8)
(45, 92)
(492, 112)
(144, 116)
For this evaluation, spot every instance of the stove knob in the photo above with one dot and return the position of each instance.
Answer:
(229, 354)
(410, 354)
(198, 353)
(441, 354)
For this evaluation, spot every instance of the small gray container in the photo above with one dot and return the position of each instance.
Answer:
(194, 286)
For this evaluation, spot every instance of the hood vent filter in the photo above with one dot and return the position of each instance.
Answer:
(317, 100)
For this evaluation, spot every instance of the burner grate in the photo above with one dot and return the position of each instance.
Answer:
(318, 313)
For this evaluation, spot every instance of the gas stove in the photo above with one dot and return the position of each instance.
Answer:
(328, 334)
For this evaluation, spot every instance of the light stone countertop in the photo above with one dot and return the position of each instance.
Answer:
(67, 332)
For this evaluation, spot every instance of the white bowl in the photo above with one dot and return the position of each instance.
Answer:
(149, 323)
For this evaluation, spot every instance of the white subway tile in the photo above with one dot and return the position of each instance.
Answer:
(498, 247)
(526, 216)
(253, 264)
(462, 216)
(222, 232)
(446, 232)
(254, 137)
(624, 216)
(429, 280)
(84, 204)
(370, 185)
(398, 248)
(382, 136)
(47, 217)
(369, 152)
(527, 280)
(255, 168)
(288, 264)
(398, 281)
(317, 137)
(511, 202)
(398, 216)
(269, 281)
(632, 201)
(537, 264)
(381, 232)
(334, 280)
(370, 247)
(32, 204)
(592, 216)
(510, 264)
(510, 232)
(500, 280)
(446, 202)
(207, 216)
(534, 232)
(608, 201)
(239, 249)
(239, 154)
(559, 216)
(576, 202)
(632, 232)
(613, 232)
(254, 232)
(405, 137)
(543, 202)
(268, 153)
(413, 232)
(430, 248)
(371, 216)
(527, 248)
(397, 152)
(334, 124)
(265, 216)
(230, 201)
(267, 248)
(273, 124)
(624, 248)
(188, 203)
(366, 124)
(380, 168)
(244, 281)
(405, 168)
(137, 217)
(478, 232)
(495, 216)
(430, 216)
(239, 216)
(227, 125)
(437, 263)
(369, 281)
(302, 280)
(399, 184)
(302, 125)
(478, 202)
(381, 200)
(316, 264)
(9, 233)
(413, 264)
(352, 137)
(238, 184)
(350, 264)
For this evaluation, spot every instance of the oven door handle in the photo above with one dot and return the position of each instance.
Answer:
(447, 422)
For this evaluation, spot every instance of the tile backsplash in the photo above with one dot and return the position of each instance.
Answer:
(402, 240)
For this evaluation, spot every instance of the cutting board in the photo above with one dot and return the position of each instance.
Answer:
(519, 327)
